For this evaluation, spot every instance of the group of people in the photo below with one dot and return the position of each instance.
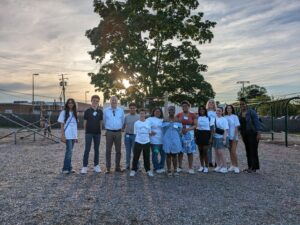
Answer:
(166, 138)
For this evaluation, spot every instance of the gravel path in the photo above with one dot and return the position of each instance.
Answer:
(32, 190)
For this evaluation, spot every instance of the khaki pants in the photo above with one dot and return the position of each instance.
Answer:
(116, 139)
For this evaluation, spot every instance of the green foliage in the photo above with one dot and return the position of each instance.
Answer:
(254, 91)
(152, 44)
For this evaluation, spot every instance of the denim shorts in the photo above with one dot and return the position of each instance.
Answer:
(218, 143)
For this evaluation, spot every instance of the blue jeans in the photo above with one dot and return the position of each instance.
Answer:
(157, 149)
(88, 143)
(129, 144)
(68, 155)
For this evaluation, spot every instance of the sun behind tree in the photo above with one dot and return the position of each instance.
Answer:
(153, 45)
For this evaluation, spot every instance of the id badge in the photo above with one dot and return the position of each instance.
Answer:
(175, 126)
(127, 135)
(185, 117)
(95, 113)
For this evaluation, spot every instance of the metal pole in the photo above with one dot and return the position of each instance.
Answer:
(64, 94)
(63, 87)
(272, 123)
(243, 85)
(286, 125)
(286, 118)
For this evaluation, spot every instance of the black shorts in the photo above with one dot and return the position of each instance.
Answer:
(202, 137)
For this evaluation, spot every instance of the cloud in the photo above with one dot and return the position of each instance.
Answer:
(46, 37)
(254, 40)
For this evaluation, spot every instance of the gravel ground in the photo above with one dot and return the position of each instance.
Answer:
(32, 190)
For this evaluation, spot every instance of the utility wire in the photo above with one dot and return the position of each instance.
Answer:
(17, 92)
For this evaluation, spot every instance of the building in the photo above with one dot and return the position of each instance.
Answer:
(39, 108)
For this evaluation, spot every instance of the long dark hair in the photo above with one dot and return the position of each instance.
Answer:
(204, 108)
(67, 110)
(161, 112)
(233, 111)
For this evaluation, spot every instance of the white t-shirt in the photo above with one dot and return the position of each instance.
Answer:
(233, 122)
(221, 123)
(156, 124)
(70, 125)
(203, 123)
(142, 130)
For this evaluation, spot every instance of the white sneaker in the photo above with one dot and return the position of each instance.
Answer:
(236, 170)
(223, 170)
(150, 173)
(217, 169)
(231, 169)
(97, 169)
(84, 170)
(176, 174)
(205, 170)
(191, 171)
(200, 169)
(160, 171)
(178, 170)
(132, 173)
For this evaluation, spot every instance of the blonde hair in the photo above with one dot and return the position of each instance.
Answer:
(214, 102)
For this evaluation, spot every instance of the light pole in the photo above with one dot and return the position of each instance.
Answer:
(85, 96)
(243, 82)
(35, 74)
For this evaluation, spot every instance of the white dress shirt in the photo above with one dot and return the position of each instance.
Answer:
(113, 119)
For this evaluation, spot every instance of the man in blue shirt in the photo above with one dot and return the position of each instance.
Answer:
(113, 120)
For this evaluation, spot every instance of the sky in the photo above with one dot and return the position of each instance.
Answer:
(254, 40)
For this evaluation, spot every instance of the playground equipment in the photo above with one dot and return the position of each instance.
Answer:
(278, 106)
(32, 128)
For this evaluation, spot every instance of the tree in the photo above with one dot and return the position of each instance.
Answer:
(154, 45)
(254, 92)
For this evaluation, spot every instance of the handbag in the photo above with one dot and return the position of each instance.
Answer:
(218, 130)
(65, 128)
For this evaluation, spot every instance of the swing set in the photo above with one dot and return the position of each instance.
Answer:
(278, 107)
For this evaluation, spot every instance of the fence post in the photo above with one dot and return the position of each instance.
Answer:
(286, 123)
(272, 123)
